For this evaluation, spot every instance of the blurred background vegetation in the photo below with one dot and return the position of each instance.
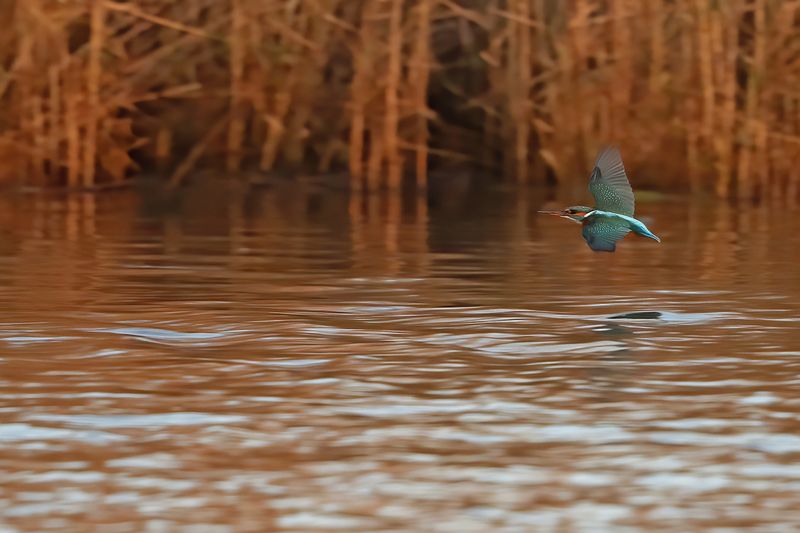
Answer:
(702, 95)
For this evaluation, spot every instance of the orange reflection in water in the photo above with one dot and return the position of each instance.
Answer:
(296, 359)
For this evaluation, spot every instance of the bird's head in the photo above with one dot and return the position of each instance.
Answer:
(575, 213)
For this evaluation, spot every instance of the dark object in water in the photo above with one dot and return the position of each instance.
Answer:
(639, 315)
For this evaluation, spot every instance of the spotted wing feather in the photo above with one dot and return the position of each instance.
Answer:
(602, 234)
(609, 184)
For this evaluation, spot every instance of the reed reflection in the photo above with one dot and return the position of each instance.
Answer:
(247, 352)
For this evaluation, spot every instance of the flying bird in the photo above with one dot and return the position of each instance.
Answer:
(612, 218)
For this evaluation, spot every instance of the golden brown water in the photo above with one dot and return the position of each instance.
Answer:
(303, 362)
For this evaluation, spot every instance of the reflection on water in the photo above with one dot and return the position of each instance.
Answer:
(303, 361)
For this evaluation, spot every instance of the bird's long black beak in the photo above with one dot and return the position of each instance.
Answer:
(556, 213)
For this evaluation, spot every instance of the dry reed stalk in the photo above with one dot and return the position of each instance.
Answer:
(545, 100)
(755, 72)
(573, 107)
(236, 124)
(355, 156)
(93, 73)
(421, 64)
(147, 69)
(657, 45)
(273, 88)
(704, 58)
(305, 34)
(522, 107)
(691, 108)
(195, 154)
(275, 132)
(72, 128)
(776, 162)
(138, 12)
(621, 14)
(793, 179)
(493, 57)
(511, 85)
(793, 185)
(756, 89)
(38, 139)
(375, 162)
(25, 133)
(163, 148)
(54, 124)
(392, 97)
(23, 66)
(725, 34)
(271, 103)
(693, 142)
(762, 157)
(363, 52)
(329, 152)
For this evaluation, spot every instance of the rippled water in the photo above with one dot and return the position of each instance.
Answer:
(303, 361)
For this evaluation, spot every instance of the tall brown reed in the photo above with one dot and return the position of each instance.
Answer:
(703, 91)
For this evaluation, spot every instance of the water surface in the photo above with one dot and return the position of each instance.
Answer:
(303, 361)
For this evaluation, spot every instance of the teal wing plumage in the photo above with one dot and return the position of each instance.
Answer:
(609, 185)
(602, 233)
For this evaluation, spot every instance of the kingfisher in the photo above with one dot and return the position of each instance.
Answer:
(612, 218)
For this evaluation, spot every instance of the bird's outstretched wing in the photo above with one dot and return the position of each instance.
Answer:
(602, 233)
(609, 185)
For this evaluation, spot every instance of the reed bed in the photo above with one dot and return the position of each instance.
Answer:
(701, 94)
